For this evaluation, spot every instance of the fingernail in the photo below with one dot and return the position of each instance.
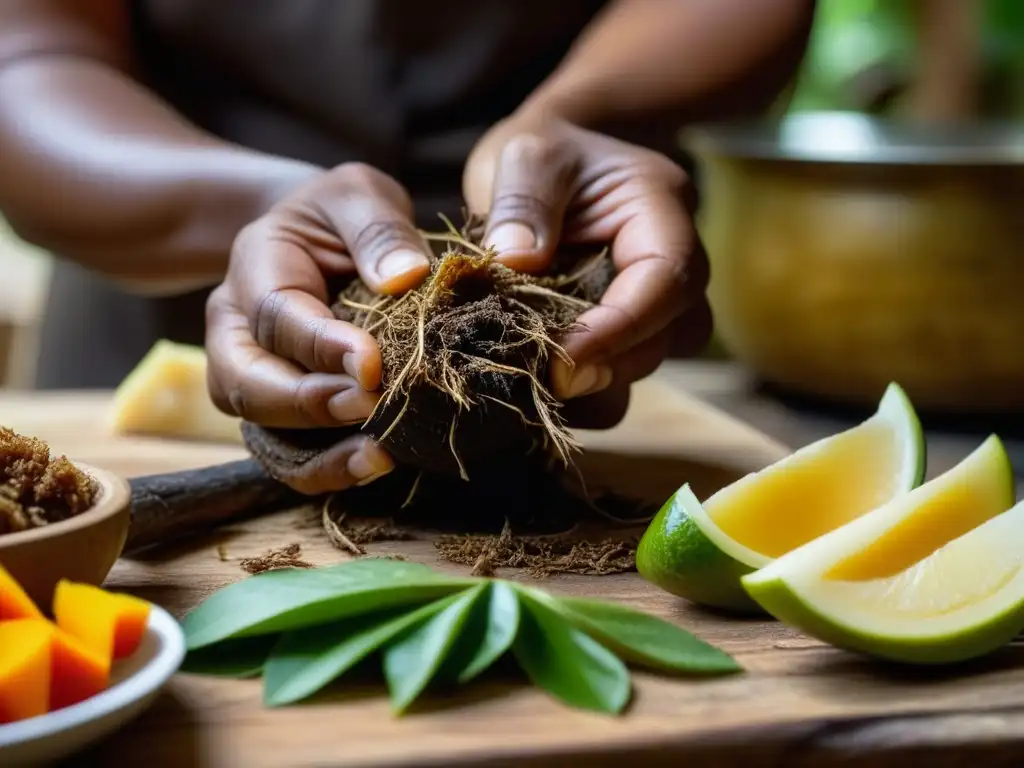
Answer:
(507, 238)
(350, 364)
(352, 405)
(398, 263)
(369, 463)
(587, 380)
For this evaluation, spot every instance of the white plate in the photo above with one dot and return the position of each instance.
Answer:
(134, 684)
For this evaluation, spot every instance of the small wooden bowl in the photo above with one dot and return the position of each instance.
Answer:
(83, 548)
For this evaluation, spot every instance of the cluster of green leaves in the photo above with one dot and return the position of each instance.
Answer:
(302, 629)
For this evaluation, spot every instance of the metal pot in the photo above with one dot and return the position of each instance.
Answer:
(848, 252)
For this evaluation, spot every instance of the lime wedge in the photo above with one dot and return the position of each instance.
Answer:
(934, 576)
(700, 551)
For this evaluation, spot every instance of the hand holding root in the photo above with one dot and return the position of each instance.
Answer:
(464, 357)
(546, 184)
(442, 363)
(277, 354)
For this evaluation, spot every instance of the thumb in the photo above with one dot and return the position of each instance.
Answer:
(372, 214)
(533, 183)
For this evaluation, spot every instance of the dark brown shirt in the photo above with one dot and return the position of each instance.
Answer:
(405, 85)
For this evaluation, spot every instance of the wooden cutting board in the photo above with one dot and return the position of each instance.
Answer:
(798, 703)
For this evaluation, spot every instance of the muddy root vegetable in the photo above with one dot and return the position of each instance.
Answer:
(465, 363)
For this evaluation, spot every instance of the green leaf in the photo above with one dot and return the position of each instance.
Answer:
(567, 663)
(239, 658)
(308, 659)
(488, 633)
(303, 629)
(411, 661)
(288, 599)
(644, 639)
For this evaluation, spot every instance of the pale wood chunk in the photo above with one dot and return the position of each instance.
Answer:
(166, 396)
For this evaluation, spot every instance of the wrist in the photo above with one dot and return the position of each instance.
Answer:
(578, 108)
(283, 178)
(237, 190)
(543, 108)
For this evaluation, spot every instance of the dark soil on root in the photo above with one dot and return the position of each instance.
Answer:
(479, 392)
(530, 498)
(465, 363)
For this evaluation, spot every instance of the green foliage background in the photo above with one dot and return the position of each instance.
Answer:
(850, 36)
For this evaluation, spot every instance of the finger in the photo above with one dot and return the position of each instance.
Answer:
(247, 381)
(663, 272)
(572, 381)
(641, 361)
(606, 408)
(632, 365)
(280, 288)
(356, 460)
(602, 410)
(374, 217)
(532, 187)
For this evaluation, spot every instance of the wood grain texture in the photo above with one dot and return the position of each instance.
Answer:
(799, 703)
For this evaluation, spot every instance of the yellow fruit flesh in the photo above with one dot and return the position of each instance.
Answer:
(779, 509)
(166, 396)
(966, 574)
(964, 504)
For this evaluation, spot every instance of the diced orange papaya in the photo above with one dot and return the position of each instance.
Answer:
(77, 672)
(24, 669)
(110, 624)
(14, 603)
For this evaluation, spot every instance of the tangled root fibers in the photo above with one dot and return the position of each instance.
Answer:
(465, 363)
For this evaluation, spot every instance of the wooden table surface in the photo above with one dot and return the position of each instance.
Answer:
(799, 702)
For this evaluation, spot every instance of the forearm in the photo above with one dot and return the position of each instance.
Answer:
(666, 62)
(97, 169)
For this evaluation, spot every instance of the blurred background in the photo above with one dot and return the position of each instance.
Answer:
(872, 230)
(846, 252)
(866, 55)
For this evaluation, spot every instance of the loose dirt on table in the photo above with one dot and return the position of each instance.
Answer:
(285, 557)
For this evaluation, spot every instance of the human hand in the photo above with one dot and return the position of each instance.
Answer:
(277, 355)
(542, 182)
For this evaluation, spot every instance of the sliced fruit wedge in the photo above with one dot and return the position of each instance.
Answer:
(700, 551)
(165, 395)
(934, 576)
